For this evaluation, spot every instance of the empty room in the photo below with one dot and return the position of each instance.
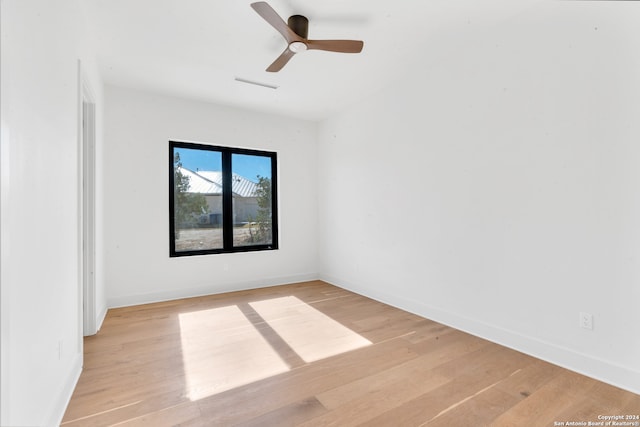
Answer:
(297, 213)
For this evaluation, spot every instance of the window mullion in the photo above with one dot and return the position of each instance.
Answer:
(227, 201)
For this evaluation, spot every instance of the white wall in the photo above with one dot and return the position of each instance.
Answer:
(41, 357)
(138, 127)
(496, 187)
(510, 203)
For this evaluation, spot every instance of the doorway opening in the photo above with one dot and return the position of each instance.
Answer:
(87, 207)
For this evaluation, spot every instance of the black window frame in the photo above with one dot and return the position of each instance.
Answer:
(227, 203)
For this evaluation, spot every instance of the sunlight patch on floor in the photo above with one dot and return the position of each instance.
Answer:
(221, 350)
(310, 333)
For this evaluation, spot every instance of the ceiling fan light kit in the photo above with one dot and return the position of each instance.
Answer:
(297, 47)
(295, 32)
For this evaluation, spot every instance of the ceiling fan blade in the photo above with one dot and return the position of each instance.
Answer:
(344, 46)
(281, 61)
(270, 15)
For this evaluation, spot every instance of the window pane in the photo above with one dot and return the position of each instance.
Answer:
(252, 200)
(221, 199)
(197, 192)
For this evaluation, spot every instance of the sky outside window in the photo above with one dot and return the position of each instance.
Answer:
(248, 166)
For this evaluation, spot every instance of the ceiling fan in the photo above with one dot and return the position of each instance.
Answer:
(295, 32)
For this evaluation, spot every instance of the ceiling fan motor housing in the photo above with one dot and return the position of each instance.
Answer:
(300, 25)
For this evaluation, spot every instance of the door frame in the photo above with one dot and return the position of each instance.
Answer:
(87, 210)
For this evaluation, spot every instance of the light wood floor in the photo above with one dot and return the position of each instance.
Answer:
(312, 354)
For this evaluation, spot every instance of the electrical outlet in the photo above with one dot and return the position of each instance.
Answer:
(586, 321)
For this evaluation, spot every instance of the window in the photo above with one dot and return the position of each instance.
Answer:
(221, 199)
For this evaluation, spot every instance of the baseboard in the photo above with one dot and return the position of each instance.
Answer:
(60, 405)
(100, 319)
(129, 300)
(602, 370)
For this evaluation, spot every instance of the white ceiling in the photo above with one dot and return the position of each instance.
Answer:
(196, 48)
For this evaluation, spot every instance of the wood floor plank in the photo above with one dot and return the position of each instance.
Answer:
(378, 400)
(132, 406)
(467, 380)
(290, 415)
(178, 415)
(344, 394)
(423, 408)
(479, 409)
(246, 358)
(309, 380)
(529, 379)
(547, 404)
